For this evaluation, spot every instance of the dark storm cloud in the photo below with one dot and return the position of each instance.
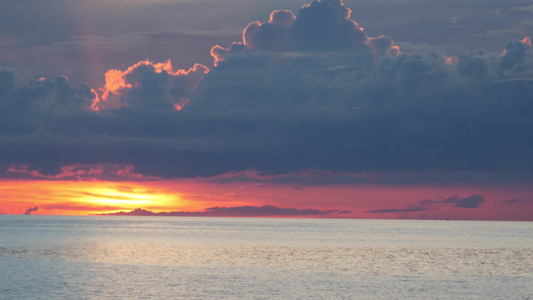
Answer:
(237, 211)
(409, 112)
(320, 26)
(282, 102)
(24, 107)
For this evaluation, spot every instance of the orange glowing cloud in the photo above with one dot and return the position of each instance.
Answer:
(394, 51)
(179, 106)
(117, 82)
(450, 60)
(527, 41)
(380, 46)
(218, 52)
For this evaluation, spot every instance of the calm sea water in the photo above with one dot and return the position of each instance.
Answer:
(50, 257)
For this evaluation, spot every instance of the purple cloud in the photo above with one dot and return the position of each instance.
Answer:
(470, 202)
(397, 210)
(511, 201)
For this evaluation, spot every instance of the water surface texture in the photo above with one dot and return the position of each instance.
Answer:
(52, 257)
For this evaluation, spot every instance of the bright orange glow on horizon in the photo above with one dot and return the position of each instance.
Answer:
(368, 201)
(86, 197)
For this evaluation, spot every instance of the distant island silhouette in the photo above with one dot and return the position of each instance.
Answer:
(237, 211)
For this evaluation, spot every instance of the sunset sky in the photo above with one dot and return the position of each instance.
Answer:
(356, 109)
